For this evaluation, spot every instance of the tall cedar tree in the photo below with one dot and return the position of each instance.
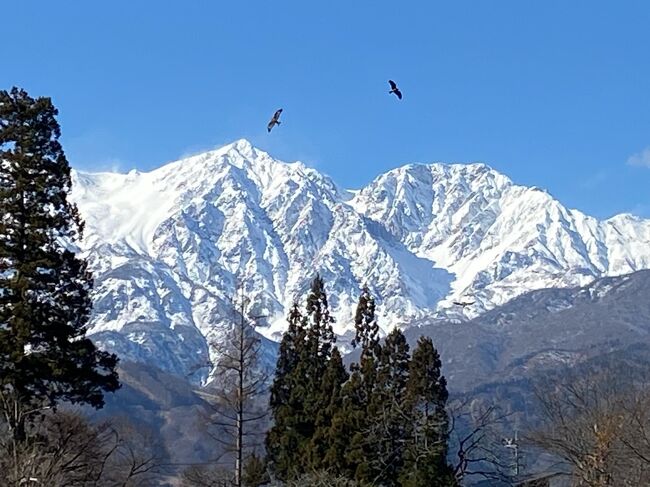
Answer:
(312, 368)
(365, 323)
(327, 447)
(286, 437)
(44, 300)
(426, 399)
(304, 358)
(387, 432)
(319, 324)
(351, 423)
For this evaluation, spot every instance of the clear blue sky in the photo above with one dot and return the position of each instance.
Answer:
(552, 93)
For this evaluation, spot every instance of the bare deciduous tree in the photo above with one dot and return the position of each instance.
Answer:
(136, 456)
(242, 383)
(598, 425)
(475, 442)
(206, 476)
(64, 449)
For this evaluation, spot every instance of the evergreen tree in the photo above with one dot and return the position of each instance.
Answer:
(313, 368)
(387, 432)
(285, 439)
(255, 474)
(353, 417)
(319, 325)
(298, 395)
(45, 288)
(350, 429)
(365, 323)
(327, 448)
(426, 398)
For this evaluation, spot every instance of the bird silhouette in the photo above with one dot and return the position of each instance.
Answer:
(196, 367)
(275, 120)
(394, 89)
(460, 303)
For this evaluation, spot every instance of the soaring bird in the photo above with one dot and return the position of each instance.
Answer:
(274, 121)
(459, 303)
(394, 89)
(199, 366)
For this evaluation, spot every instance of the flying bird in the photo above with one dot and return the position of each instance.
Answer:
(460, 303)
(195, 368)
(394, 89)
(275, 120)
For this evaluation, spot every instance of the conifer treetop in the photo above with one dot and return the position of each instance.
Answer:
(45, 305)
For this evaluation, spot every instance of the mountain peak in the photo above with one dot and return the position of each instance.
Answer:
(243, 146)
(167, 247)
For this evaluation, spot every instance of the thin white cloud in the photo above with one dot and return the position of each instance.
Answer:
(111, 165)
(640, 159)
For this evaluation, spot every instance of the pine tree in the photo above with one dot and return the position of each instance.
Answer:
(388, 429)
(45, 303)
(426, 398)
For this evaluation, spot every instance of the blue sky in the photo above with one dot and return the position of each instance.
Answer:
(554, 94)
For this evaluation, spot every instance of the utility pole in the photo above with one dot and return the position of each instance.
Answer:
(513, 445)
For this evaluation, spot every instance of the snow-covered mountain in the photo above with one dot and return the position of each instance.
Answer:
(169, 247)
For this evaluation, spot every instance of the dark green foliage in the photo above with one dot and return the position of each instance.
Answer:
(290, 430)
(351, 425)
(365, 323)
(44, 299)
(357, 392)
(322, 479)
(288, 357)
(384, 425)
(317, 350)
(426, 398)
(255, 474)
(298, 396)
(388, 429)
(319, 324)
(328, 444)
(323, 371)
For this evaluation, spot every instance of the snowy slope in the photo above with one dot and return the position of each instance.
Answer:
(168, 247)
(499, 239)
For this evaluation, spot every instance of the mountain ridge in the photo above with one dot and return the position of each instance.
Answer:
(169, 246)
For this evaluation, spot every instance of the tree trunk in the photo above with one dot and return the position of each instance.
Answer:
(240, 407)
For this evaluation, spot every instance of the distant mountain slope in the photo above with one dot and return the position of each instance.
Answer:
(543, 330)
(167, 406)
(491, 358)
(167, 247)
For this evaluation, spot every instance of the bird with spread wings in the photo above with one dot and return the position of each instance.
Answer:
(394, 89)
(275, 120)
